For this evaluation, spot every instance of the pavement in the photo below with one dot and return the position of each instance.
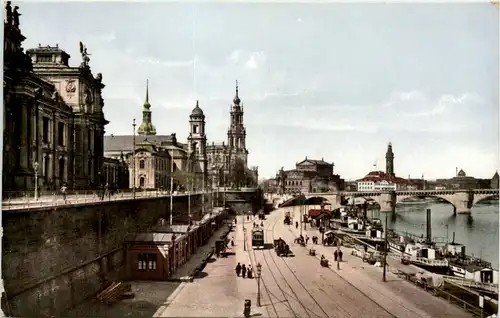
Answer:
(216, 291)
(397, 296)
(92, 197)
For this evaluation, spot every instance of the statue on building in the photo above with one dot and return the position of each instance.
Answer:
(85, 55)
(8, 13)
(16, 15)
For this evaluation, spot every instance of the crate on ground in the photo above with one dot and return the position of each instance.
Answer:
(115, 292)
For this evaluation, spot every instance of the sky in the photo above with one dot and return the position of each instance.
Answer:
(334, 81)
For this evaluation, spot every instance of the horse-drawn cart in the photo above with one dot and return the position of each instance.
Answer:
(281, 248)
(324, 262)
(312, 252)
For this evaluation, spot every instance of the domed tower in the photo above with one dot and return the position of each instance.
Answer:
(146, 128)
(236, 134)
(389, 161)
(197, 141)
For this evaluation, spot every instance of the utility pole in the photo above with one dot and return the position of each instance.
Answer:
(133, 161)
(189, 182)
(386, 248)
(300, 212)
(171, 189)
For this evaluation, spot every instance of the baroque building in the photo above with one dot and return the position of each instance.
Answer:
(163, 155)
(53, 120)
(222, 157)
(309, 176)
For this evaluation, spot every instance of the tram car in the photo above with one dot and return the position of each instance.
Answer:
(258, 238)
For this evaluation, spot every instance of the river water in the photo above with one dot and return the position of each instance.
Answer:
(478, 231)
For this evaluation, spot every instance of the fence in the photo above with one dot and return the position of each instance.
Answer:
(440, 292)
(82, 197)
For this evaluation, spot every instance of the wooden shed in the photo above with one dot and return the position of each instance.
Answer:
(192, 233)
(154, 256)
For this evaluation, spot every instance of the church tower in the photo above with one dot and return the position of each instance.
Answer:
(236, 134)
(197, 143)
(146, 128)
(389, 161)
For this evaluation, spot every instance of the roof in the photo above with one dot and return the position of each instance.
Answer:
(153, 238)
(377, 176)
(315, 213)
(197, 111)
(317, 162)
(125, 143)
(175, 228)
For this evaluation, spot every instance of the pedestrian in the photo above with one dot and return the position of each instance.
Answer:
(296, 224)
(340, 255)
(335, 255)
(249, 271)
(63, 191)
(307, 239)
(238, 269)
(243, 270)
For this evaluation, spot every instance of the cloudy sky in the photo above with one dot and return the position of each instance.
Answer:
(330, 80)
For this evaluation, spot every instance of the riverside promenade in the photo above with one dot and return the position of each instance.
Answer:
(216, 291)
(397, 296)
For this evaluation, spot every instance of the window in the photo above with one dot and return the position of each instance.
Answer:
(195, 129)
(45, 132)
(89, 139)
(141, 164)
(146, 262)
(141, 182)
(44, 58)
(60, 134)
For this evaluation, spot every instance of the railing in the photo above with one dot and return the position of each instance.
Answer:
(431, 262)
(469, 283)
(83, 197)
(439, 292)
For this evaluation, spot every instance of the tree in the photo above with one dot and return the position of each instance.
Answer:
(183, 180)
(238, 176)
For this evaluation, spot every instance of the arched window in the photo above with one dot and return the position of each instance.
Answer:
(141, 182)
(141, 164)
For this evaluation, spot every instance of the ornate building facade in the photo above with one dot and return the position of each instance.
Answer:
(309, 176)
(222, 157)
(53, 120)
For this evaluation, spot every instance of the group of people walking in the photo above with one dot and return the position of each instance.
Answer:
(246, 271)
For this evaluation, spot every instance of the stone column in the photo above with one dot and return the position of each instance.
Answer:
(24, 140)
(462, 202)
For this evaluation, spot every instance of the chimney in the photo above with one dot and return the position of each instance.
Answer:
(429, 229)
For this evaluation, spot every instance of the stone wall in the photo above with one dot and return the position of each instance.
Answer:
(52, 258)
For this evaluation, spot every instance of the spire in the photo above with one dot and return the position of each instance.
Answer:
(147, 105)
(236, 99)
(146, 127)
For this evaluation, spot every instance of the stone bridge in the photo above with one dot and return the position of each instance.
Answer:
(462, 200)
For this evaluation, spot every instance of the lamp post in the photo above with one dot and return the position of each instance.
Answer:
(300, 212)
(386, 248)
(171, 189)
(259, 271)
(133, 161)
(35, 168)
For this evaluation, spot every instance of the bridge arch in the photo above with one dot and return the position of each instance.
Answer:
(480, 197)
(401, 198)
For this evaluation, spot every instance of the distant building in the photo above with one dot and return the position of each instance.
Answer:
(152, 167)
(381, 181)
(309, 176)
(495, 184)
(115, 173)
(385, 181)
(460, 181)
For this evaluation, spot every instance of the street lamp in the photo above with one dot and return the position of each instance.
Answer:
(171, 188)
(386, 248)
(259, 271)
(35, 168)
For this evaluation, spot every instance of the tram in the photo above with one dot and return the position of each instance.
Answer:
(258, 238)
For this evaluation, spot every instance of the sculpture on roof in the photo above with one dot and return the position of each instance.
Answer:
(16, 15)
(8, 13)
(85, 55)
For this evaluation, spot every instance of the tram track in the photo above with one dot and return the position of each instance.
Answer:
(308, 311)
(370, 287)
(286, 296)
(306, 289)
